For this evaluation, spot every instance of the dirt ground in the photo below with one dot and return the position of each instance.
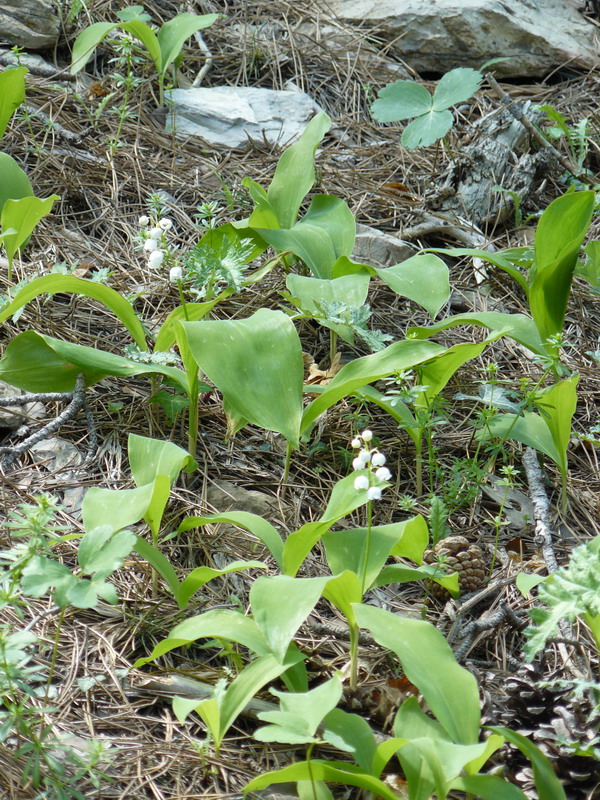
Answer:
(93, 227)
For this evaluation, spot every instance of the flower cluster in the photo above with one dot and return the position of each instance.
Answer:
(155, 242)
(371, 459)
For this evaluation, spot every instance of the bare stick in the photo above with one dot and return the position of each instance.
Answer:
(541, 508)
(207, 63)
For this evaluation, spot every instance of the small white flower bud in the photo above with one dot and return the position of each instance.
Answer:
(365, 456)
(362, 482)
(150, 245)
(356, 443)
(378, 459)
(367, 435)
(358, 463)
(374, 493)
(175, 274)
(155, 259)
(143, 221)
(155, 233)
(165, 224)
(383, 474)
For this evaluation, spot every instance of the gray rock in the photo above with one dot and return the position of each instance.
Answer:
(378, 248)
(226, 496)
(29, 23)
(438, 35)
(230, 116)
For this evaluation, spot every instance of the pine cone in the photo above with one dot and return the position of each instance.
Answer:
(456, 554)
(555, 720)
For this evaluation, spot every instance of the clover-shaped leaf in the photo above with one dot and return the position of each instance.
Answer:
(405, 99)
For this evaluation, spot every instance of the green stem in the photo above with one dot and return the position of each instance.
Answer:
(419, 464)
(193, 418)
(353, 656)
(182, 298)
(288, 462)
(365, 564)
(333, 337)
(309, 751)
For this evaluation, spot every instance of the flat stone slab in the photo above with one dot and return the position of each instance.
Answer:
(438, 35)
(232, 116)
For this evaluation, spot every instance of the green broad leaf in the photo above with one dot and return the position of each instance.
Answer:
(397, 573)
(326, 233)
(497, 259)
(87, 41)
(526, 581)
(167, 335)
(557, 405)
(434, 375)
(280, 604)
(558, 238)
(149, 458)
(220, 623)
(174, 33)
(423, 279)
(344, 591)
(311, 292)
(41, 574)
(412, 722)
(54, 284)
(202, 575)
(488, 787)
(263, 215)
(455, 87)
(428, 661)
(313, 790)
(38, 363)
(259, 527)
(162, 565)
(147, 37)
(362, 371)
(426, 130)
(23, 215)
(300, 715)
(115, 508)
(519, 327)
(161, 489)
(295, 173)
(102, 550)
(329, 771)
(450, 759)
(529, 429)
(351, 733)
(347, 550)
(249, 682)
(12, 94)
(257, 365)
(344, 500)
(81, 594)
(401, 100)
(547, 784)
(14, 182)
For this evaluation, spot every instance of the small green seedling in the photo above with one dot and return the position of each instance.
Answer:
(163, 48)
(433, 119)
